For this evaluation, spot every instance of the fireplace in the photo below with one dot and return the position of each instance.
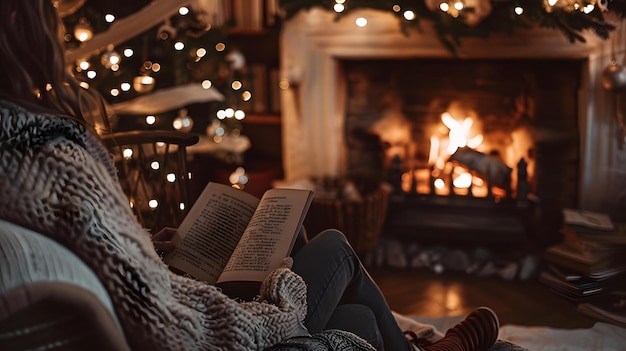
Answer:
(429, 120)
(315, 47)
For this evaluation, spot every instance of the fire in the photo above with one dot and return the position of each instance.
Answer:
(459, 135)
(463, 181)
(443, 177)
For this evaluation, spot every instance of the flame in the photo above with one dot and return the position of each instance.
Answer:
(459, 135)
(463, 181)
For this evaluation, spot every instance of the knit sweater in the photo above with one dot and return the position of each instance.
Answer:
(57, 178)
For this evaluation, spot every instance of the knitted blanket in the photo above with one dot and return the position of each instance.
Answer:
(58, 179)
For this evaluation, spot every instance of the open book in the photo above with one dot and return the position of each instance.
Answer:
(230, 235)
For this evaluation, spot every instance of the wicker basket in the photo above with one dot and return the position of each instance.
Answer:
(360, 220)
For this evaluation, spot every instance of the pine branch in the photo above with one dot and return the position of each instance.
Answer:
(502, 19)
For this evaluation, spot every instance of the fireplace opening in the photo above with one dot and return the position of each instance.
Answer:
(468, 127)
(415, 114)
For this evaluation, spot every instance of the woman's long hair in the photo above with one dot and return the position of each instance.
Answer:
(33, 70)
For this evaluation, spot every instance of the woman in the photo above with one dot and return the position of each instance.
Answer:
(58, 179)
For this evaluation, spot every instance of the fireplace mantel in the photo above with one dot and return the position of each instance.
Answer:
(314, 42)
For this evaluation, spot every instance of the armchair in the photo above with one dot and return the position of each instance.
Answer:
(49, 299)
(152, 169)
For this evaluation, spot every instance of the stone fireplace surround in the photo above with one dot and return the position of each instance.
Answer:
(313, 43)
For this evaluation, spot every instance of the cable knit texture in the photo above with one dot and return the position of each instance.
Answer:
(58, 179)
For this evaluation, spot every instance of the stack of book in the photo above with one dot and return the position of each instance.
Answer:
(609, 307)
(589, 260)
(589, 264)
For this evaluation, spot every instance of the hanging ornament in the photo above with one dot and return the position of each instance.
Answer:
(166, 30)
(475, 11)
(83, 30)
(603, 5)
(614, 77)
(143, 83)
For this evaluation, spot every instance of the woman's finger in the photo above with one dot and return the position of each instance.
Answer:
(287, 262)
(164, 234)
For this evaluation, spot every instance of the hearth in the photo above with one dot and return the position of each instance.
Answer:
(464, 128)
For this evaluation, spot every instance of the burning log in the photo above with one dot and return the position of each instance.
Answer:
(487, 167)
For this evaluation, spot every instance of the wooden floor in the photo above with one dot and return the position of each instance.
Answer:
(415, 292)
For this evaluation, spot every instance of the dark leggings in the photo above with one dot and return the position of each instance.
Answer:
(342, 295)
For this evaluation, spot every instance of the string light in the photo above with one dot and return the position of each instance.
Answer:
(183, 122)
(84, 65)
(127, 153)
(240, 115)
(110, 58)
(114, 60)
(229, 112)
(238, 179)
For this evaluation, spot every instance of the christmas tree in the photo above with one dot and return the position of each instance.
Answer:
(161, 65)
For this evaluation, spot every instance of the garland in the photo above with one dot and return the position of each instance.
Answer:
(501, 18)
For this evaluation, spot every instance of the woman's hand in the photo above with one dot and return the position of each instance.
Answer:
(162, 241)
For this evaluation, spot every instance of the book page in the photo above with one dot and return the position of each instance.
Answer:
(270, 235)
(211, 230)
